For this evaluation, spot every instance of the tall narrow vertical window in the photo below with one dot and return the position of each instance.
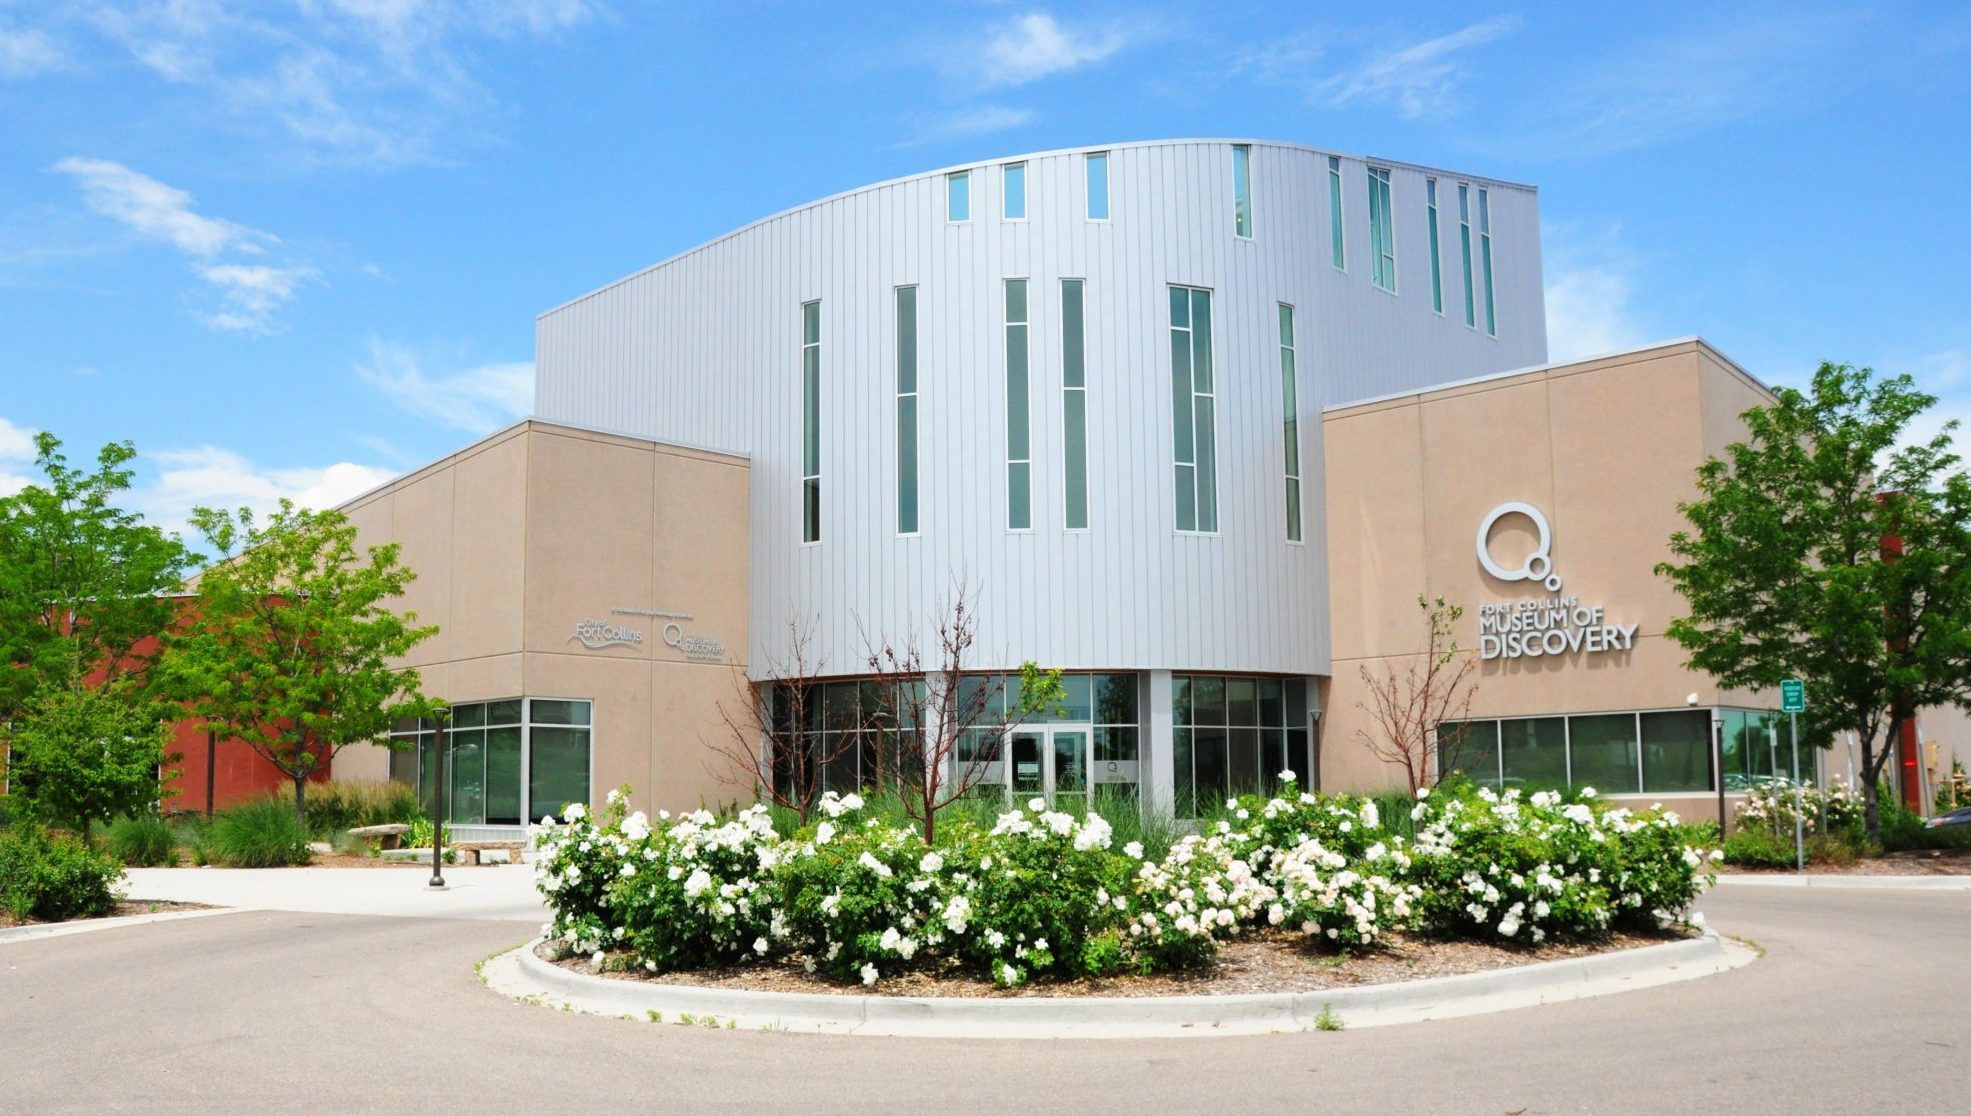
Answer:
(1074, 403)
(958, 196)
(1194, 433)
(1485, 259)
(906, 410)
(811, 422)
(1290, 397)
(1382, 232)
(1014, 193)
(1464, 246)
(1334, 211)
(1019, 444)
(1242, 189)
(1436, 263)
(1098, 185)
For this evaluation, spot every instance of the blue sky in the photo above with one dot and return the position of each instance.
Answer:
(293, 249)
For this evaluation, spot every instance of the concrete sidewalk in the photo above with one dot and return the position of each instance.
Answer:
(500, 892)
(1836, 879)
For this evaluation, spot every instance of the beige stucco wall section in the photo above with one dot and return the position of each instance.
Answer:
(1606, 448)
(519, 537)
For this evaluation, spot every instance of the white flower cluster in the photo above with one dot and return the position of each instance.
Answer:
(1200, 891)
(1350, 903)
(1772, 804)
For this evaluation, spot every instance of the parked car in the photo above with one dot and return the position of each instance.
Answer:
(1959, 816)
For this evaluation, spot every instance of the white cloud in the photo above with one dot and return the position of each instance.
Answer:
(1945, 374)
(16, 445)
(252, 293)
(979, 120)
(1420, 79)
(30, 53)
(156, 210)
(1036, 45)
(208, 476)
(1589, 279)
(476, 400)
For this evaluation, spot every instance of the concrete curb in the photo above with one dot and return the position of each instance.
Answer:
(14, 934)
(521, 974)
(1908, 883)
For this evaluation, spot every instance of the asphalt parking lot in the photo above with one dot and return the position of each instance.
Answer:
(1862, 1003)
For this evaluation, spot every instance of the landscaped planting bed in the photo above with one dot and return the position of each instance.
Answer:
(1295, 891)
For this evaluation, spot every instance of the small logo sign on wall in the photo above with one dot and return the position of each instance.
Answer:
(697, 648)
(597, 634)
(1539, 627)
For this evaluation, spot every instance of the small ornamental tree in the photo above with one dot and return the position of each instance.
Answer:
(949, 728)
(292, 647)
(82, 582)
(1408, 706)
(770, 750)
(82, 755)
(1828, 547)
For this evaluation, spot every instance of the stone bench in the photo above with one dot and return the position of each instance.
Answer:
(386, 836)
(477, 849)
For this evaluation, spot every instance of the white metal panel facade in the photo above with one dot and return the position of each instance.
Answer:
(705, 349)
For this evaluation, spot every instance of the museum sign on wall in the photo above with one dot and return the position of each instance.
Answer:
(1546, 626)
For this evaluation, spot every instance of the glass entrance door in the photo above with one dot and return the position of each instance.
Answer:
(1049, 762)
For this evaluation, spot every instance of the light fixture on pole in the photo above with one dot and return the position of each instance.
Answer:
(438, 806)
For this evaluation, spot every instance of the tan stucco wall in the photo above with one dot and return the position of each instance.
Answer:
(1605, 448)
(520, 537)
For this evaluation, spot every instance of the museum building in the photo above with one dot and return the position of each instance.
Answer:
(1196, 422)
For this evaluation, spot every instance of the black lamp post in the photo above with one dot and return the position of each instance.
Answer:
(438, 808)
(1718, 765)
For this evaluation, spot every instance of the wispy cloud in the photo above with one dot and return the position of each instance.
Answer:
(29, 53)
(1590, 278)
(249, 294)
(476, 400)
(1036, 45)
(1419, 78)
(1728, 68)
(252, 292)
(979, 120)
(156, 210)
(381, 82)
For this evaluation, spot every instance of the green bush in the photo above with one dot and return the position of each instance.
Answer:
(335, 807)
(261, 833)
(143, 841)
(55, 876)
(1756, 846)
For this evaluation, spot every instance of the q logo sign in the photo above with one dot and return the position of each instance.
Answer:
(1539, 565)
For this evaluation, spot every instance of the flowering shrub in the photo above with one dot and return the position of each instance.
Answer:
(1200, 892)
(1495, 863)
(694, 891)
(1042, 894)
(1771, 805)
(858, 898)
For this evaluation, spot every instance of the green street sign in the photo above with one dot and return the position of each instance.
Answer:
(1792, 696)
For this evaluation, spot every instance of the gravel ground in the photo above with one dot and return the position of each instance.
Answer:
(1259, 961)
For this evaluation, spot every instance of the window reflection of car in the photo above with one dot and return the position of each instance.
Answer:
(1954, 818)
(1738, 781)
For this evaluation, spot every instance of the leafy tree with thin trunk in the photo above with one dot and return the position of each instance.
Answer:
(1408, 707)
(950, 727)
(83, 755)
(1832, 547)
(82, 581)
(292, 647)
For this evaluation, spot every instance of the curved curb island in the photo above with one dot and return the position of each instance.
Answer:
(523, 975)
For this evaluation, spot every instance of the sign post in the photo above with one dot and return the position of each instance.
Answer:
(1793, 702)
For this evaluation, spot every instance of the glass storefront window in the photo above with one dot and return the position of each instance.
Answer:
(1533, 753)
(1676, 751)
(1264, 732)
(1471, 747)
(499, 768)
(1605, 753)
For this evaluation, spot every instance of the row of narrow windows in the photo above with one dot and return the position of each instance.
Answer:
(1382, 220)
(1194, 406)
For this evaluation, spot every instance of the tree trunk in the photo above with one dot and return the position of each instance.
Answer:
(300, 807)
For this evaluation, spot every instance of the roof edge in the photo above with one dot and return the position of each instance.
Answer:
(1556, 366)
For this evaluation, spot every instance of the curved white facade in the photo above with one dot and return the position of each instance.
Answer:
(707, 349)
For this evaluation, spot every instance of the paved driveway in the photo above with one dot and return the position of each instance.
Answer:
(1863, 1004)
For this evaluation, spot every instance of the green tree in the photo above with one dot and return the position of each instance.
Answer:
(1829, 547)
(83, 755)
(291, 647)
(82, 581)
